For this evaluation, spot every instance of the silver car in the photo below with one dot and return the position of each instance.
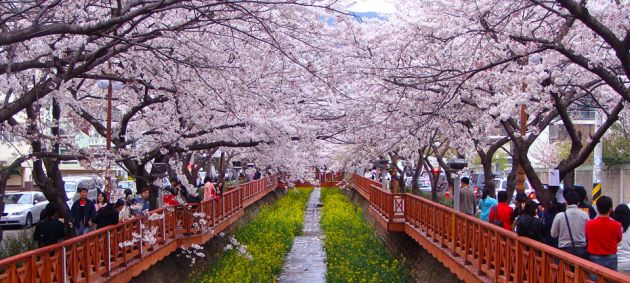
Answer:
(23, 208)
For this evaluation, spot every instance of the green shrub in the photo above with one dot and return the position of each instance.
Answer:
(268, 239)
(353, 252)
(17, 244)
(441, 198)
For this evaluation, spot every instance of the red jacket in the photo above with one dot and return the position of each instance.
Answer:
(602, 235)
(504, 212)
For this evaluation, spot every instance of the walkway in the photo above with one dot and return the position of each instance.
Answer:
(474, 250)
(101, 255)
(305, 262)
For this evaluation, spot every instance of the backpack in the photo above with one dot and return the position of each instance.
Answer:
(496, 220)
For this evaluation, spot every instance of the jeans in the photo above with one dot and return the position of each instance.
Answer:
(85, 230)
(608, 261)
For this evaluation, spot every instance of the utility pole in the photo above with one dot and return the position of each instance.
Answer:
(597, 161)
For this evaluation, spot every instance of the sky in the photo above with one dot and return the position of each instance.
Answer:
(379, 6)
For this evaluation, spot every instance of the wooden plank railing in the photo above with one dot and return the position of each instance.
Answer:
(330, 177)
(97, 253)
(491, 252)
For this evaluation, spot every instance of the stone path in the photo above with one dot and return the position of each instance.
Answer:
(305, 262)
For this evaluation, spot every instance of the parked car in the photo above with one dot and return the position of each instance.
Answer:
(424, 183)
(93, 183)
(23, 208)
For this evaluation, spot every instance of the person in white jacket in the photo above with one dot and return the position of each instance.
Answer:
(622, 215)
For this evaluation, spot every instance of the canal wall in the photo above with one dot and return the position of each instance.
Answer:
(424, 267)
(176, 268)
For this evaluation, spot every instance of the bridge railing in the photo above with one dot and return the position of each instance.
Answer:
(95, 254)
(325, 177)
(499, 254)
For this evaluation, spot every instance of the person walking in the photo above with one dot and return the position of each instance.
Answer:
(485, 204)
(467, 198)
(101, 201)
(528, 225)
(501, 213)
(603, 234)
(552, 209)
(520, 199)
(49, 230)
(108, 215)
(81, 213)
(568, 227)
(209, 191)
(622, 215)
(584, 205)
(142, 202)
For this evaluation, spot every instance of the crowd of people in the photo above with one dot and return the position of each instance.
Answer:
(86, 215)
(573, 225)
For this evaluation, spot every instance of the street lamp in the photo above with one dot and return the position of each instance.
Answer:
(110, 86)
(454, 166)
(236, 167)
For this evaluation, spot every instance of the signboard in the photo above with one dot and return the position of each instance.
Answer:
(554, 177)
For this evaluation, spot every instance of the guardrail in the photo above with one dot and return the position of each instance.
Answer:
(476, 250)
(97, 254)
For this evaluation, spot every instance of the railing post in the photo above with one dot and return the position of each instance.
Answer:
(240, 199)
(214, 208)
(140, 228)
(109, 252)
(163, 223)
(453, 235)
(64, 265)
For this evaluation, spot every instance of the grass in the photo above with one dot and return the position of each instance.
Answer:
(268, 239)
(353, 252)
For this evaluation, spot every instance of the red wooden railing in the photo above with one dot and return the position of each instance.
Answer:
(330, 177)
(96, 255)
(476, 250)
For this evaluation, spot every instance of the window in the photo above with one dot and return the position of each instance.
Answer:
(18, 199)
(558, 132)
(39, 197)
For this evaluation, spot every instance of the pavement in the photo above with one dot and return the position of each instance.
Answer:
(305, 262)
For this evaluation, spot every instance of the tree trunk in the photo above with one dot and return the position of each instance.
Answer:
(221, 172)
(416, 174)
(511, 178)
(486, 163)
(542, 195)
(49, 181)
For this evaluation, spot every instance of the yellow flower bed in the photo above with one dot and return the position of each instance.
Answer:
(268, 239)
(353, 252)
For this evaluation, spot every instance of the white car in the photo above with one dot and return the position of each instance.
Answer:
(73, 183)
(23, 208)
